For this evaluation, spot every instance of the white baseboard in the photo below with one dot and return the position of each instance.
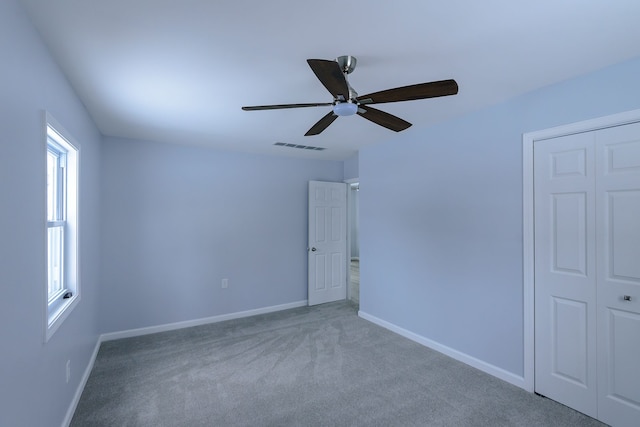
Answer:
(83, 382)
(197, 322)
(454, 354)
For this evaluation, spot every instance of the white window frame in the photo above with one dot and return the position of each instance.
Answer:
(59, 304)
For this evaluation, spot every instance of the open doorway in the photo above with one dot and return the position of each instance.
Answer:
(353, 250)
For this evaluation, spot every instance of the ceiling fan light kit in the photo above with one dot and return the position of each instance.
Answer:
(345, 109)
(346, 102)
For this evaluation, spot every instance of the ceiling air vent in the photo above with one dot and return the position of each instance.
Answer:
(302, 147)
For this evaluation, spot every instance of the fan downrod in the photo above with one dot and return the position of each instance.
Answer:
(347, 63)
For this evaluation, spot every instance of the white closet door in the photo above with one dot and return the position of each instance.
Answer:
(565, 271)
(618, 266)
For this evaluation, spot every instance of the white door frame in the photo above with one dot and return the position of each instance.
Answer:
(349, 197)
(528, 141)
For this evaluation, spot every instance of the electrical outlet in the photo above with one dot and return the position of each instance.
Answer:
(225, 283)
(68, 370)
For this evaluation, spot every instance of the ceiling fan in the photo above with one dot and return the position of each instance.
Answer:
(346, 102)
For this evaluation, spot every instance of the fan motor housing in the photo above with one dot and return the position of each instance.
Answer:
(347, 63)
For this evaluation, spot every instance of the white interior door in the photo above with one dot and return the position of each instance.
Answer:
(565, 271)
(618, 228)
(327, 242)
(587, 272)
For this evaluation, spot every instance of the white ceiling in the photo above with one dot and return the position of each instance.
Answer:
(180, 70)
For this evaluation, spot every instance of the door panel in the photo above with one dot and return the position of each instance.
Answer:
(618, 195)
(569, 230)
(320, 262)
(568, 163)
(327, 258)
(565, 274)
(623, 239)
(624, 384)
(570, 341)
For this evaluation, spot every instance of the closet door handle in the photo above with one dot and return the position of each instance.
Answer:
(626, 297)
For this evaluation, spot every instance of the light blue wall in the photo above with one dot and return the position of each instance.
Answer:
(441, 228)
(351, 167)
(178, 219)
(33, 390)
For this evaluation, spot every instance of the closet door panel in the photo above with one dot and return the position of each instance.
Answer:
(618, 265)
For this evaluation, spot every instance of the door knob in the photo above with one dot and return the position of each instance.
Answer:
(626, 297)
(313, 249)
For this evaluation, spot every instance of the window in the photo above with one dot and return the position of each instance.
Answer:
(63, 289)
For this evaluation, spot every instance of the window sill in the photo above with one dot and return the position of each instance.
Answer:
(58, 312)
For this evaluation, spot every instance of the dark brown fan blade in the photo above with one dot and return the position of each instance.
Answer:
(322, 124)
(412, 92)
(383, 119)
(331, 76)
(281, 106)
